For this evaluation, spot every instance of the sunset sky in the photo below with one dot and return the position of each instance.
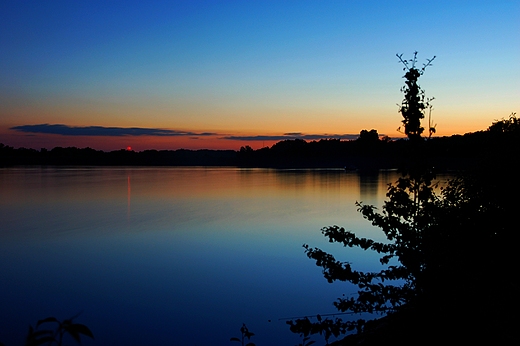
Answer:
(224, 74)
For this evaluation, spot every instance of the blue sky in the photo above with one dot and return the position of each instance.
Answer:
(249, 68)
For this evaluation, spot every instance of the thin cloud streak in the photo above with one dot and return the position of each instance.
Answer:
(291, 135)
(65, 130)
(102, 131)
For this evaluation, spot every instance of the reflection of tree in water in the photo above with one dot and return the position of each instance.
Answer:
(373, 185)
(369, 186)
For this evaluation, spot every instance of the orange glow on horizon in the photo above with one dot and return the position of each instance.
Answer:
(216, 141)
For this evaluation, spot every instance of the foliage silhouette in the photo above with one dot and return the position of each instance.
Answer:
(36, 336)
(368, 136)
(434, 236)
(325, 327)
(415, 102)
(246, 334)
(510, 125)
(306, 341)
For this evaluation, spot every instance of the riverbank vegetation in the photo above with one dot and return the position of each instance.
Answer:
(448, 261)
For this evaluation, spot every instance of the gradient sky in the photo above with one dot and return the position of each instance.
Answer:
(223, 74)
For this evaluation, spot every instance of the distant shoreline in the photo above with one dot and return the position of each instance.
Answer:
(444, 153)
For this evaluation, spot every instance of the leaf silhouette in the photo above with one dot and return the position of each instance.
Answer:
(76, 329)
(40, 337)
(45, 320)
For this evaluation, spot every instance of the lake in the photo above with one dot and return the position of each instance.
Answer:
(175, 256)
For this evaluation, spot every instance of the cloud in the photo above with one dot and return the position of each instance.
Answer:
(65, 130)
(292, 135)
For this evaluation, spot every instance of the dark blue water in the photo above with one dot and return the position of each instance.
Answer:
(174, 256)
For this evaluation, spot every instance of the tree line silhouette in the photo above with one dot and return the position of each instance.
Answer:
(369, 151)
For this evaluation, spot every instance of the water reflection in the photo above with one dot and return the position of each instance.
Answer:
(173, 255)
(129, 196)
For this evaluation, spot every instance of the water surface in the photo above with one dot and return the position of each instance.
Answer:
(174, 256)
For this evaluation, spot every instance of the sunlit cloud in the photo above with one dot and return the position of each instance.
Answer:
(292, 135)
(65, 130)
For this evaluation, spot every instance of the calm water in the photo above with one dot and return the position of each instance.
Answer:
(174, 256)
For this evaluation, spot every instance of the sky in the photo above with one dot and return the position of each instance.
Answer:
(225, 74)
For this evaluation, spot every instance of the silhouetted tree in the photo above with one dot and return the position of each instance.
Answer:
(414, 102)
(246, 149)
(433, 240)
(512, 124)
(368, 136)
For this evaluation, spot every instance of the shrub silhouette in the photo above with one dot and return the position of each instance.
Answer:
(245, 334)
(39, 336)
(36, 336)
(431, 259)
